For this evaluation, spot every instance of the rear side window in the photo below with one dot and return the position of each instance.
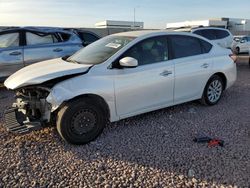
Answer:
(207, 33)
(220, 34)
(88, 38)
(64, 36)
(206, 46)
(40, 38)
(9, 40)
(185, 46)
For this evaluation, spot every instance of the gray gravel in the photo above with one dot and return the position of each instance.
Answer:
(150, 150)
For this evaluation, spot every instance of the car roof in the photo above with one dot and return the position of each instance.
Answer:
(202, 28)
(37, 29)
(153, 33)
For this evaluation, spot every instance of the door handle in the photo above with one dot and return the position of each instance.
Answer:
(205, 65)
(166, 73)
(15, 53)
(58, 50)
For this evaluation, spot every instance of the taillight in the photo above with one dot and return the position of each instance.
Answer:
(233, 57)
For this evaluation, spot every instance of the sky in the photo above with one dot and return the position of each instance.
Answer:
(85, 13)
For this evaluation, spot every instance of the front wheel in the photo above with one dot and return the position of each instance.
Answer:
(213, 90)
(81, 121)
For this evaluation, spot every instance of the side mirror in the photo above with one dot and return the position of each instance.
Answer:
(243, 41)
(128, 62)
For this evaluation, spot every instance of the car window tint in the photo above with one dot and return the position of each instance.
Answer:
(198, 32)
(149, 51)
(64, 36)
(9, 40)
(184, 46)
(207, 33)
(206, 46)
(39, 38)
(87, 37)
(220, 34)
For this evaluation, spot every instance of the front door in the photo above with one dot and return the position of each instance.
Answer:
(41, 46)
(148, 86)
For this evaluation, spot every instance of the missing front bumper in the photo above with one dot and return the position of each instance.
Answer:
(17, 122)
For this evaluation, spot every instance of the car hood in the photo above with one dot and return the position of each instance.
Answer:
(44, 71)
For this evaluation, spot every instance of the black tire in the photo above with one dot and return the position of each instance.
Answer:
(81, 121)
(237, 49)
(208, 93)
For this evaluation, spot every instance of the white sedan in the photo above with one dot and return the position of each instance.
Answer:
(118, 76)
(243, 45)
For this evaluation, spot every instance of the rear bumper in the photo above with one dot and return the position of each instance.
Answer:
(17, 122)
(231, 75)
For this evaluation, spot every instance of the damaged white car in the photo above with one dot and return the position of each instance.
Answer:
(118, 76)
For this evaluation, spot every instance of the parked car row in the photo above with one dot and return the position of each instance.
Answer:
(23, 46)
(116, 77)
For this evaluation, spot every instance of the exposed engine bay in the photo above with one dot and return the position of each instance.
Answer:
(30, 111)
(31, 101)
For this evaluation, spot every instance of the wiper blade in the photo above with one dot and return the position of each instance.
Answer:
(72, 61)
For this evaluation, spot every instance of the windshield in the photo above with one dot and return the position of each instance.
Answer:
(100, 50)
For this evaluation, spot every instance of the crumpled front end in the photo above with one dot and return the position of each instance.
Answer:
(30, 111)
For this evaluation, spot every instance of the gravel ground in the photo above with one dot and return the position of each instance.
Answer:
(150, 150)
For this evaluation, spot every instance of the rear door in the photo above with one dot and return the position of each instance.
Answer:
(192, 66)
(11, 53)
(40, 46)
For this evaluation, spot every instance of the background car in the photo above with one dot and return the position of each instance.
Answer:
(87, 37)
(243, 45)
(236, 40)
(20, 47)
(221, 36)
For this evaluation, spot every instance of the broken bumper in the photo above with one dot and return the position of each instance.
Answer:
(17, 122)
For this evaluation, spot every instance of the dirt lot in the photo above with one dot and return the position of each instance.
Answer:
(150, 150)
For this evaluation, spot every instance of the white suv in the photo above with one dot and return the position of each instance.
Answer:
(221, 36)
(119, 76)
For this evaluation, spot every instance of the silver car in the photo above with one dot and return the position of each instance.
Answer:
(20, 47)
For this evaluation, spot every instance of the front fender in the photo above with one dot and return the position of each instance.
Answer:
(81, 85)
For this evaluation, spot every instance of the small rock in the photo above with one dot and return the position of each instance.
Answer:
(191, 173)
(181, 177)
(191, 111)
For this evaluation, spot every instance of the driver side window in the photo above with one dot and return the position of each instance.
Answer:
(149, 51)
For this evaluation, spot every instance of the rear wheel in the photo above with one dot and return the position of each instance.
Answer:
(237, 50)
(81, 121)
(213, 90)
(249, 60)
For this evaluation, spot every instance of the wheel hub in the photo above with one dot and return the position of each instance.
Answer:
(214, 91)
(83, 122)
